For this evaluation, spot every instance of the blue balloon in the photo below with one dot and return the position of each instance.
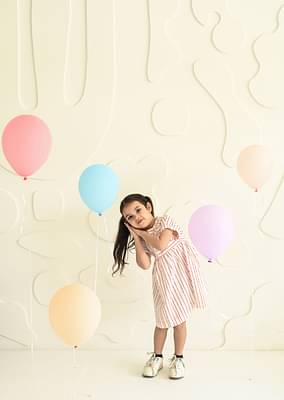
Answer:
(98, 187)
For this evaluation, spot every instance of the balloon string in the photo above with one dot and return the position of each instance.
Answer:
(73, 391)
(109, 268)
(257, 206)
(97, 256)
(256, 211)
(31, 304)
(74, 356)
(251, 355)
(31, 278)
(254, 205)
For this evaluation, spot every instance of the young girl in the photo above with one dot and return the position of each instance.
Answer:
(177, 283)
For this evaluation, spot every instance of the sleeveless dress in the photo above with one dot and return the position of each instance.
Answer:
(178, 286)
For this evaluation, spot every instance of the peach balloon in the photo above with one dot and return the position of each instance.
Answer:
(254, 165)
(74, 313)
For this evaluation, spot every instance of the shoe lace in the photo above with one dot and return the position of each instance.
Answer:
(152, 359)
(176, 362)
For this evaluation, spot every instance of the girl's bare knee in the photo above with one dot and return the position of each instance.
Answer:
(161, 329)
(180, 326)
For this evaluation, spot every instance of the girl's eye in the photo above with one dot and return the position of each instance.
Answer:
(129, 217)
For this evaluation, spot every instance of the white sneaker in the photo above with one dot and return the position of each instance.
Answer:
(152, 366)
(176, 368)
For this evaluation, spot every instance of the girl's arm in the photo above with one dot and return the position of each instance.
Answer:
(142, 258)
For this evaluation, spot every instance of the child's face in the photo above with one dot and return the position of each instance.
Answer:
(137, 215)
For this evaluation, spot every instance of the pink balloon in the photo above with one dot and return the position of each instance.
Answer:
(211, 229)
(26, 144)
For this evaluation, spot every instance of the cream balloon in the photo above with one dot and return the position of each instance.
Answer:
(254, 165)
(74, 313)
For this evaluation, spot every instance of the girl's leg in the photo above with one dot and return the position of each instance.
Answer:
(155, 364)
(179, 338)
(160, 335)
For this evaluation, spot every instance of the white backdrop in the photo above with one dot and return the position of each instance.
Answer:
(167, 92)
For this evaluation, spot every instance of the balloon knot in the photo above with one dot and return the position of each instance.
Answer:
(25, 178)
(256, 190)
(209, 260)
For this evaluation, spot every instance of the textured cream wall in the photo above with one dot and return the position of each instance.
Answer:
(167, 92)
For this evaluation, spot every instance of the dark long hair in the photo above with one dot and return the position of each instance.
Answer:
(123, 241)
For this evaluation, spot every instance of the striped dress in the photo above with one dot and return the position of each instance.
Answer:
(178, 286)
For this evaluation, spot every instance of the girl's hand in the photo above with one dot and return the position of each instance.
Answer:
(132, 231)
(135, 232)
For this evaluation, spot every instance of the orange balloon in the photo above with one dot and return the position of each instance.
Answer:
(74, 313)
(254, 165)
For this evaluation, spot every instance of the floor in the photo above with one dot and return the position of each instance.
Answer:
(107, 375)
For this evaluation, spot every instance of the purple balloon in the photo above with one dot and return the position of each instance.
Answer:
(211, 229)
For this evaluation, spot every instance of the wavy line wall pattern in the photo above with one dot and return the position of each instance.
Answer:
(166, 92)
